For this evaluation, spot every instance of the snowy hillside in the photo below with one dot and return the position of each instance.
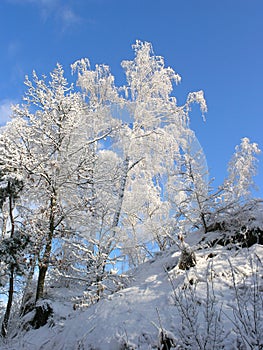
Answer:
(215, 305)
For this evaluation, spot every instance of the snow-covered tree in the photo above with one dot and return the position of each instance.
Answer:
(233, 206)
(55, 150)
(242, 168)
(152, 143)
(189, 187)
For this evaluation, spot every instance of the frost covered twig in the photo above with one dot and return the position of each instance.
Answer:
(247, 308)
(201, 326)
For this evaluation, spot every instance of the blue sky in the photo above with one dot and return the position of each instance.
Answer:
(215, 46)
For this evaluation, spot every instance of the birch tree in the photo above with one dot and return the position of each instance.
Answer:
(154, 143)
(151, 144)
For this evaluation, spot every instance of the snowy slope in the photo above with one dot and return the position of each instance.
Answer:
(153, 301)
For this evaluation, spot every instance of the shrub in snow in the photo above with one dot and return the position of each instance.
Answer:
(123, 342)
(201, 327)
(166, 340)
(248, 308)
(187, 259)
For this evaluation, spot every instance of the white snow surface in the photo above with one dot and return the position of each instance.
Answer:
(134, 316)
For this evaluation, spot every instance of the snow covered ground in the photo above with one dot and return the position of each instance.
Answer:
(215, 305)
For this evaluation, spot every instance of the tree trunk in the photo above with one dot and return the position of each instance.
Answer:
(26, 298)
(43, 267)
(12, 268)
(9, 302)
(41, 280)
(44, 262)
(126, 169)
(117, 213)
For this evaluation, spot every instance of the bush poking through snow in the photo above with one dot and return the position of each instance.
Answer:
(201, 325)
(123, 341)
(166, 340)
(248, 308)
(187, 259)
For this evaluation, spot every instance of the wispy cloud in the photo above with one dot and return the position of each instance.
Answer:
(5, 111)
(13, 48)
(56, 9)
(47, 3)
(68, 17)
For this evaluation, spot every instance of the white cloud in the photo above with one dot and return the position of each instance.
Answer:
(5, 111)
(56, 9)
(68, 16)
(38, 2)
